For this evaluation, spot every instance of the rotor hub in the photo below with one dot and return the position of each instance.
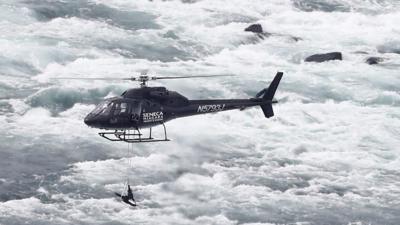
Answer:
(143, 80)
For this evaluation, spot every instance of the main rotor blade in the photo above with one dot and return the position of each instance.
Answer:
(142, 78)
(15, 76)
(196, 76)
(92, 78)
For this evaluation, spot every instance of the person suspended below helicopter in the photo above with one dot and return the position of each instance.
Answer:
(127, 196)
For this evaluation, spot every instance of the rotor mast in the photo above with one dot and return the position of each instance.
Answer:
(143, 80)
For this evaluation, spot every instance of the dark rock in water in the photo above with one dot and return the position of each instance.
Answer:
(374, 60)
(255, 28)
(324, 57)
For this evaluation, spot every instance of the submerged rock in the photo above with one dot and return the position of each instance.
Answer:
(257, 29)
(321, 5)
(374, 60)
(46, 10)
(390, 47)
(324, 57)
(361, 52)
(294, 38)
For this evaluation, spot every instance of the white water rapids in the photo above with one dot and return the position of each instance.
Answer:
(331, 154)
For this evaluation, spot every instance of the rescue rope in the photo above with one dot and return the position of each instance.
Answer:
(128, 159)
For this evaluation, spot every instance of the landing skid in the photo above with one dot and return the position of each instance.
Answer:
(132, 136)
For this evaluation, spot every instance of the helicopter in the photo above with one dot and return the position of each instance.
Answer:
(147, 107)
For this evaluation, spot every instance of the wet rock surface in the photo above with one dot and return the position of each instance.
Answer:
(324, 57)
(374, 60)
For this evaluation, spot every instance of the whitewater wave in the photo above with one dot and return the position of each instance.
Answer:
(58, 99)
(329, 156)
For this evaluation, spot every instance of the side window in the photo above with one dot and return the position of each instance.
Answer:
(124, 108)
(117, 108)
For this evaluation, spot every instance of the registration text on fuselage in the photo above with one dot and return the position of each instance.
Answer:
(210, 108)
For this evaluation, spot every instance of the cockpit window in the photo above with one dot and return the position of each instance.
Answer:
(103, 108)
(100, 107)
(107, 110)
(117, 108)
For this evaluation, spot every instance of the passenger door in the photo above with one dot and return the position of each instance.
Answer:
(136, 111)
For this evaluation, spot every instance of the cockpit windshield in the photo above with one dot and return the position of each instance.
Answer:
(103, 108)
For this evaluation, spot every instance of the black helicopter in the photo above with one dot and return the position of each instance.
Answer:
(146, 107)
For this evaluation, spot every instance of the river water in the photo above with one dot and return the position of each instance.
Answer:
(331, 154)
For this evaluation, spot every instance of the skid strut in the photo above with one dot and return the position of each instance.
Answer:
(132, 136)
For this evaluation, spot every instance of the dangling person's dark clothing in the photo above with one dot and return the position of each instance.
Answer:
(129, 196)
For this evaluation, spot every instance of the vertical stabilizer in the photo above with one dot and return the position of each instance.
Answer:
(269, 95)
